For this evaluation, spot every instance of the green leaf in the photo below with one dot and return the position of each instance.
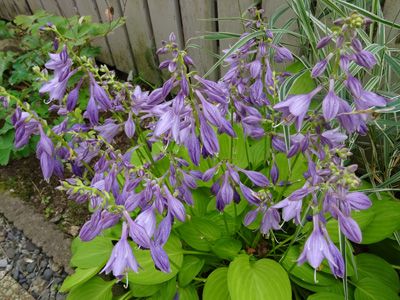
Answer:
(188, 293)
(372, 266)
(191, 266)
(199, 233)
(325, 296)
(95, 289)
(305, 273)
(139, 290)
(216, 286)
(386, 221)
(167, 291)
(4, 156)
(262, 279)
(148, 274)
(373, 289)
(226, 248)
(80, 276)
(91, 254)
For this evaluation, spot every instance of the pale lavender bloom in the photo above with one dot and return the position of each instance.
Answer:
(270, 220)
(358, 201)
(250, 217)
(365, 59)
(73, 96)
(99, 94)
(336, 263)
(290, 209)
(257, 178)
(324, 42)
(320, 66)
(91, 228)
(295, 107)
(129, 127)
(121, 259)
(108, 130)
(356, 45)
(147, 220)
(274, 173)
(333, 137)
(160, 258)
(225, 193)
(255, 68)
(208, 137)
(316, 247)
(175, 207)
(330, 104)
(282, 54)
(137, 232)
(193, 145)
(249, 194)
(47, 165)
(57, 86)
(92, 112)
(349, 227)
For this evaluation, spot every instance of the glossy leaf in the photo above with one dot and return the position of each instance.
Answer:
(191, 266)
(216, 286)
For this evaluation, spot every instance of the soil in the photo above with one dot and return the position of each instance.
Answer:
(24, 179)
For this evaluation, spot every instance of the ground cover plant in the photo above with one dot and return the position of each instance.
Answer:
(28, 47)
(240, 188)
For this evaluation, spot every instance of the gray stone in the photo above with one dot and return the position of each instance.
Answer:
(31, 267)
(60, 296)
(55, 267)
(3, 263)
(10, 252)
(15, 273)
(45, 295)
(47, 274)
(38, 286)
(43, 264)
(29, 246)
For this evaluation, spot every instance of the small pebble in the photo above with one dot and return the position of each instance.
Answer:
(47, 274)
(3, 263)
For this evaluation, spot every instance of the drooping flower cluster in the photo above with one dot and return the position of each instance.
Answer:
(118, 148)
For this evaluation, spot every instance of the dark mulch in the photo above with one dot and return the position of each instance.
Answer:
(24, 179)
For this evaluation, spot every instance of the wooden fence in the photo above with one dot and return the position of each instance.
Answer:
(148, 22)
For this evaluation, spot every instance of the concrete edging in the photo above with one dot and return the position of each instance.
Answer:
(45, 235)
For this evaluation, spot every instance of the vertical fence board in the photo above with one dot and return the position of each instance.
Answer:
(229, 9)
(118, 39)
(51, 6)
(18, 7)
(391, 13)
(86, 8)
(4, 11)
(192, 12)
(141, 39)
(164, 15)
(35, 5)
(270, 7)
(68, 8)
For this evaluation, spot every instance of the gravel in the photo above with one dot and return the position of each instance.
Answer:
(28, 265)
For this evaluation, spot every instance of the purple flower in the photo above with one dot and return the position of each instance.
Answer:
(129, 127)
(225, 193)
(121, 259)
(320, 66)
(358, 201)
(295, 107)
(282, 54)
(208, 137)
(330, 104)
(91, 228)
(274, 173)
(73, 96)
(175, 207)
(349, 227)
(137, 232)
(99, 94)
(270, 220)
(160, 258)
(317, 247)
(109, 130)
(324, 42)
(365, 59)
(256, 177)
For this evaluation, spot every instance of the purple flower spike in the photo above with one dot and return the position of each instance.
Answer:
(92, 227)
(274, 173)
(99, 94)
(349, 228)
(324, 42)
(320, 66)
(295, 107)
(208, 137)
(109, 130)
(358, 201)
(73, 96)
(282, 54)
(137, 232)
(130, 127)
(256, 177)
(225, 193)
(160, 258)
(175, 207)
(330, 104)
(121, 259)
(365, 59)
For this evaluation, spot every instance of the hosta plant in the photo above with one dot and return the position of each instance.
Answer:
(232, 189)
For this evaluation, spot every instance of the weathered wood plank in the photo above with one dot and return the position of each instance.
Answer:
(89, 8)
(118, 38)
(229, 9)
(164, 15)
(34, 5)
(141, 39)
(391, 13)
(51, 6)
(192, 12)
(270, 7)
(68, 8)
(18, 7)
